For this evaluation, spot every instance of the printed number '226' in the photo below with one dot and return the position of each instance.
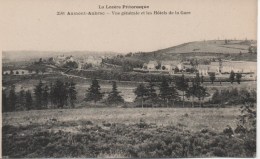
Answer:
(60, 13)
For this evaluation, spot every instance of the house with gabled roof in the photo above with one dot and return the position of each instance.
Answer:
(171, 65)
(152, 65)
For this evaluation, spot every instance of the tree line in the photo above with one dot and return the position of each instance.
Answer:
(54, 95)
(147, 94)
(169, 91)
(60, 94)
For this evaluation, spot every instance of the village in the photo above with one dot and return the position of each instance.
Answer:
(221, 69)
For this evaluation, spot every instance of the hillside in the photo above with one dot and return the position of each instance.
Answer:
(203, 50)
(211, 46)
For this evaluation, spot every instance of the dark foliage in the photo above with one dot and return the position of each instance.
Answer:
(28, 100)
(12, 99)
(93, 93)
(141, 93)
(114, 96)
(135, 140)
(4, 101)
(232, 77)
(182, 85)
(72, 93)
(38, 92)
(60, 94)
(233, 97)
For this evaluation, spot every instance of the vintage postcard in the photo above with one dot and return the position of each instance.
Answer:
(128, 79)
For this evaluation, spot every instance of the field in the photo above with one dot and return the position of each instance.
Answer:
(123, 132)
(193, 119)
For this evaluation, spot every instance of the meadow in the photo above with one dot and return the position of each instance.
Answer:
(192, 119)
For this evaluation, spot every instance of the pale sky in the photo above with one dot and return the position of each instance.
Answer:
(34, 25)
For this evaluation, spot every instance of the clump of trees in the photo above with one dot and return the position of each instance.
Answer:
(169, 91)
(127, 63)
(212, 77)
(233, 96)
(146, 93)
(71, 64)
(94, 94)
(196, 90)
(43, 96)
(235, 76)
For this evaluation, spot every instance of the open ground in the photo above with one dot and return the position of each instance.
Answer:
(192, 119)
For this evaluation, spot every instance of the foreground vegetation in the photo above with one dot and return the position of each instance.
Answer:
(117, 133)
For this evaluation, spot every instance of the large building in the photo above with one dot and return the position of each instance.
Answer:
(239, 67)
(228, 66)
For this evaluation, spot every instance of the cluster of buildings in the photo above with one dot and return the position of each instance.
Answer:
(221, 67)
(28, 71)
(81, 61)
(167, 66)
(225, 67)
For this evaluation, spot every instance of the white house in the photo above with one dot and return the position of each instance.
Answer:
(95, 61)
(203, 69)
(171, 65)
(152, 65)
(239, 67)
(215, 67)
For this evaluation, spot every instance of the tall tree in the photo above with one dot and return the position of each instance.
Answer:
(38, 92)
(60, 94)
(197, 78)
(191, 92)
(4, 101)
(28, 100)
(45, 96)
(196, 90)
(93, 93)
(232, 76)
(216, 97)
(141, 93)
(202, 79)
(151, 92)
(167, 92)
(238, 77)
(52, 96)
(114, 96)
(12, 99)
(67, 87)
(72, 94)
(200, 93)
(212, 77)
(182, 85)
(22, 98)
(11, 72)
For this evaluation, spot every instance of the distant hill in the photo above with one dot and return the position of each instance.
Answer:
(202, 49)
(210, 46)
(32, 55)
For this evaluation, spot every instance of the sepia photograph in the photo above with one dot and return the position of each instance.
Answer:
(129, 79)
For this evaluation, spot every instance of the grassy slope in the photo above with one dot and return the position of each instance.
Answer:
(200, 48)
(212, 46)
